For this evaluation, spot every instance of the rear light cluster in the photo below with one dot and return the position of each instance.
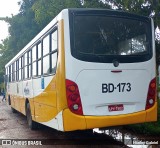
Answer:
(73, 97)
(151, 97)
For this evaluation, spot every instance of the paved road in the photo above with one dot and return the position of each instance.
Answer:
(14, 126)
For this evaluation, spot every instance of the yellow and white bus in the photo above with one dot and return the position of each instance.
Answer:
(88, 68)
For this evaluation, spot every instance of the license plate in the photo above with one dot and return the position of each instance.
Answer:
(118, 107)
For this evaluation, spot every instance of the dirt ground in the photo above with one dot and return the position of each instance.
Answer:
(15, 131)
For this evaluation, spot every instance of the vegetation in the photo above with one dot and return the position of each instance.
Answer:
(35, 14)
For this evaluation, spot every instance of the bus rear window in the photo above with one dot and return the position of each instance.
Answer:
(97, 37)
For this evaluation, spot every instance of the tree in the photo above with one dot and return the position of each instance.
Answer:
(22, 29)
(46, 11)
(95, 4)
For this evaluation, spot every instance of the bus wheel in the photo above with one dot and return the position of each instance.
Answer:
(32, 124)
(9, 100)
(13, 110)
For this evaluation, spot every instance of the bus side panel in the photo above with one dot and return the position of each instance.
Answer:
(55, 89)
(20, 93)
(61, 85)
(151, 114)
(45, 99)
(14, 98)
(52, 100)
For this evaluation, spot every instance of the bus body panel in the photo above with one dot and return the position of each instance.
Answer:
(20, 95)
(61, 69)
(101, 88)
(74, 122)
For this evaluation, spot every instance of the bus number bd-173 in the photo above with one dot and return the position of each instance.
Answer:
(88, 68)
(110, 87)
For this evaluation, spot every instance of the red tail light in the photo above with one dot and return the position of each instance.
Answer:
(151, 97)
(73, 97)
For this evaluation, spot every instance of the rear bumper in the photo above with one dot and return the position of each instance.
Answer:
(75, 122)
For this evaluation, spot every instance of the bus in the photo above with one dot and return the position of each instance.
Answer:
(88, 68)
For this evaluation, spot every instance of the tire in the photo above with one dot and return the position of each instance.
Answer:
(13, 110)
(32, 124)
(9, 100)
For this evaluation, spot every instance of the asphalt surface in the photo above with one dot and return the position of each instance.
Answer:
(15, 131)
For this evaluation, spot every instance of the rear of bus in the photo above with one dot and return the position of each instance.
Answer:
(110, 69)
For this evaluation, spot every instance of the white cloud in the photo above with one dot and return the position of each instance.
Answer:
(3, 30)
(7, 8)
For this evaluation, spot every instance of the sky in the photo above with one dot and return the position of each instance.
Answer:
(7, 8)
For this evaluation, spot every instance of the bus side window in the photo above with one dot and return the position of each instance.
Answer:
(22, 67)
(13, 69)
(25, 66)
(46, 43)
(50, 53)
(54, 47)
(54, 62)
(10, 73)
(29, 64)
(34, 58)
(39, 52)
(20, 70)
(17, 70)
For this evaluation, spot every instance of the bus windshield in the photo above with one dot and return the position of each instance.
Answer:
(96, 37)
